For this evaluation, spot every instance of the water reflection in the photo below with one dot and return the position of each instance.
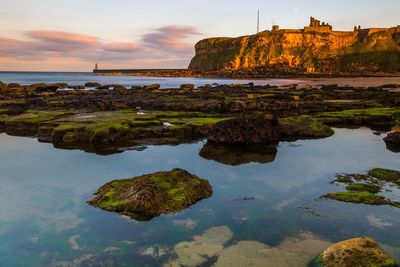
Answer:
(45, 220)
(238, 154)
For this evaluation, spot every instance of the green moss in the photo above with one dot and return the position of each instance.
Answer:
(358, 197)
(35, 117)
(390, 115)
(344, 179)
(150, 195)
(3, 111)
(385, 175)
(371, 188)
(306, 126)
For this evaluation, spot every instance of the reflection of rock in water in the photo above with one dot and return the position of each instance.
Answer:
(238, 154)
(395, 148)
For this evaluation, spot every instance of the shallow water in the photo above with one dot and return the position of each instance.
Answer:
(44, 218)
(80, 78)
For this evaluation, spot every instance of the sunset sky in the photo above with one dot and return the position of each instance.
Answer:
(71, 35)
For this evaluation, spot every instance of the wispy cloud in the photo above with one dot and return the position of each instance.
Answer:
(171, 38)
(164, 46)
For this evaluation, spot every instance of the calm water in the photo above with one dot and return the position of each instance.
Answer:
(44, 218)
(82, 78)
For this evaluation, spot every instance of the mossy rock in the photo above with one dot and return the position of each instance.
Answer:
(368, 116)
(359, 197)
(368, 187)
(364, 188)
(151, 195)
(303, 126)
(385, 175)
(356, 252)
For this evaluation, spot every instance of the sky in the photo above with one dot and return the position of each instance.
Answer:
(72, 35)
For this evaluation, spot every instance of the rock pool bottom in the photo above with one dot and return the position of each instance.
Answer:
(44, 218)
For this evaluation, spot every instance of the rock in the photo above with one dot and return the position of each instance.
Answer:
(151, 195)
(153, 87)
(14, 85)
(265, 129)
(41, 88)
(238, 154)
(187, 86)
(120, 90)
(92, 84)
(302, 127)
(355, 252)
(253, 130)
(393, 138)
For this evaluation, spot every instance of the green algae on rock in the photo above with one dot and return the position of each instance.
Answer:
(151, 195)
(359, 197)
(386, 175)
(354, 252)
(364, 189)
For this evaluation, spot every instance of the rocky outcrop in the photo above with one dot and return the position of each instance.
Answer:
(355, 252)
(265, 130)
(254, 130)
(299, 51)
(151, 195)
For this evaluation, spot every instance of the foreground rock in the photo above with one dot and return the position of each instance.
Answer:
(353, 253)
(151, 195)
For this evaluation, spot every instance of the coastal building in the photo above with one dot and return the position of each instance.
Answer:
(317, 26)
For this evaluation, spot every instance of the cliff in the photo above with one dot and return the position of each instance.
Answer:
(315, 49)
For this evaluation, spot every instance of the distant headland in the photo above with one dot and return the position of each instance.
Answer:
(315, 50)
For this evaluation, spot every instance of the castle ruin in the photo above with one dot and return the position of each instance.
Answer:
(318, 26)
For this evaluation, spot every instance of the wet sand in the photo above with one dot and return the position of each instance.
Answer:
(355, 82)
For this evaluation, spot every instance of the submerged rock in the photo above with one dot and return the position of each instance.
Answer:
(354, 252)
(292, 252)
(203, 247)
(151, 195)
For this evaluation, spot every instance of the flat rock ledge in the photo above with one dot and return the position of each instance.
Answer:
(147, 196)
(364, 251)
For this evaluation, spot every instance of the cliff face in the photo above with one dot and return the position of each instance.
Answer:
(296, 51)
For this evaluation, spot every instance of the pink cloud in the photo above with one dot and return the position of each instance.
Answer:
(166, 46)
(172, 38)
(59, 37)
